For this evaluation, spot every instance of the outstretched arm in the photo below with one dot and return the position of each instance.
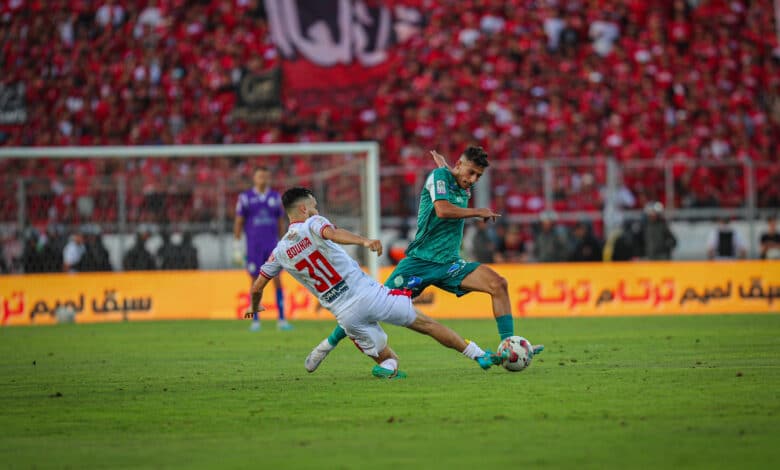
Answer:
(345, 237)
(440, 160)
(257, 293)
(447, 210)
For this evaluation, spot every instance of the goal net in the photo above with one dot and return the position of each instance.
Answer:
(118, 193)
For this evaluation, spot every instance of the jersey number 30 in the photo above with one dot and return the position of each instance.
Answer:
(320, 270)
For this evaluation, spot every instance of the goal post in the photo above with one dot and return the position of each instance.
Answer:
(369, 172)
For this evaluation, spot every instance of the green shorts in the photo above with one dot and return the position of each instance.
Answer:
(417, 274)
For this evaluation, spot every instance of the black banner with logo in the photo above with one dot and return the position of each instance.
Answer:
(259, 97)
(13, 107)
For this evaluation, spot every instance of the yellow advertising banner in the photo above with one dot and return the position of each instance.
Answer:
(620, 289)
(100, 297)
(536, 290)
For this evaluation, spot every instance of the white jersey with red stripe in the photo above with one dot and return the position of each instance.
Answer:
(322, 266)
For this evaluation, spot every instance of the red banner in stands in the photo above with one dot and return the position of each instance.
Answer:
(335, 51)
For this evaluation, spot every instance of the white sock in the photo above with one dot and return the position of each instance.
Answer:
(473, 351)
(389, 364)
(325, 344)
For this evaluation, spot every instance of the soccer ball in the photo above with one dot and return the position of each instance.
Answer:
(520, 353)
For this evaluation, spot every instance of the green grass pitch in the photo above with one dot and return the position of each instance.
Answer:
(683, 392)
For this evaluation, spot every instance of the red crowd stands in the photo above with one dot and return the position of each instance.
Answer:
(634, 80)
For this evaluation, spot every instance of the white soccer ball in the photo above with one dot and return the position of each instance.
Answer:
(520, 353)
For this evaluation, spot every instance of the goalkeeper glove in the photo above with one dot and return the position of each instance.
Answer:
(239, 256)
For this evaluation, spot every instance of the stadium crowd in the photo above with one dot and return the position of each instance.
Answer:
(649, 237)
(672, 80)
(84, 250)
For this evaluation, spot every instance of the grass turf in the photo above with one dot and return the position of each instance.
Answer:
(623, 392)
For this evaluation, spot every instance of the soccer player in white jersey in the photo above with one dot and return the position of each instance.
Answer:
(310, 252)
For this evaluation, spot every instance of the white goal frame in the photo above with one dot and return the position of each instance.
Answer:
(371, 203)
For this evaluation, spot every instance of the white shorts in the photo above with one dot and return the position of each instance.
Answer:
(361, 320)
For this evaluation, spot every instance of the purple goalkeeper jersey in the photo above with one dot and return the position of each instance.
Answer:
(261, 213)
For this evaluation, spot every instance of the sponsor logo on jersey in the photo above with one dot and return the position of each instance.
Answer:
(298, 248)
(335, 292)
(414, 281)
(456, 266)
(398, 281)
(441, 187)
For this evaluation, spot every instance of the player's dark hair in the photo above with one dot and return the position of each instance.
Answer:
(477, 155)
(293, 196)
(261, 168)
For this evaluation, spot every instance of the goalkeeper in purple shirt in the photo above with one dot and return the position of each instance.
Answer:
(260, 215)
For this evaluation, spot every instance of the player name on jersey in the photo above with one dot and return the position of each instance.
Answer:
(298, 248)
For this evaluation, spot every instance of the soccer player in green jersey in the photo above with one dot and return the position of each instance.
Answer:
(433, 257)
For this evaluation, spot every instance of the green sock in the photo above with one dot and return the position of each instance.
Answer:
(506, 326)
(339, 334)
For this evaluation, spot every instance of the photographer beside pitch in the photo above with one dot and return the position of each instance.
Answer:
(311, 254)
(433, 257)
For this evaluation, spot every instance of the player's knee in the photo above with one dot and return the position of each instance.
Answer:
(498, 285)
(423, 324)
